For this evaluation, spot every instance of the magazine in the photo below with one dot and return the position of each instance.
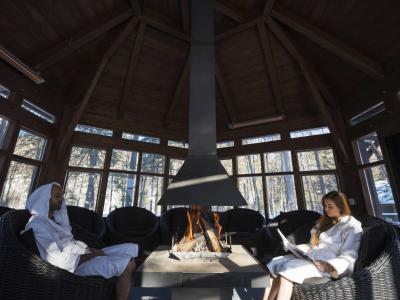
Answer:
(288, 246)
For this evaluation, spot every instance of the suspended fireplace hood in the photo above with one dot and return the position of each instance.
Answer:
(202, 180)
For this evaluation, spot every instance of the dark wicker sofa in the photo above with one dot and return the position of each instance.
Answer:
(24, 275)
(377, 270)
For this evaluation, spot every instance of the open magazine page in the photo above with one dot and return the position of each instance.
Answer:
(299, 253)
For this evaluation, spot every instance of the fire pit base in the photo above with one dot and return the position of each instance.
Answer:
(217, 277)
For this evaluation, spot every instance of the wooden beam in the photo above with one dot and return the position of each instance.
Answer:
(269, 4)
(185, 14)
(269, 61)
(164, 28)
(237, 29)
(68, 46)
(226, 96)
(317, 97)
(132, 64)
(229, 12)
(137, 10)
(183, 78)
(328, 42)
(99, 71)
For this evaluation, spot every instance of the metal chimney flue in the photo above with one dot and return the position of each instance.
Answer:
(202, 180)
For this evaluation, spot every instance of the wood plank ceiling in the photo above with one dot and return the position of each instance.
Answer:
(144, 84)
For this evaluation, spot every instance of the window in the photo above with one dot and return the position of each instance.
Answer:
(315, 187)
(23, 170)
(93, 130)
(279, 179)
(81, 188)
(375, 178)
(177, 144)
(87, 158)
(37, 111)
(140, 138)
(261, 139)
(309, 132)
(316, 160)
(226, 144)
(3, 130)
(318, 174)
(30, 145)
(227, 163)
(150, 191)
(249, 164)
(153, 163)
(252, 190)
(368, 113)
(120, 191)
(4, 92)
(18, 184)
(175, 165)
(124, 160)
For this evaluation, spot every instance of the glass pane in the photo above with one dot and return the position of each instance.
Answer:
(37, 111)
(93, 130)
(18, 185)
(174, 165)
(309, 132)
(249, 164)
(225, 144)
(124, 160)
(316, 160)
(87, 157)
(252, 191)
(278, 162)
(3, 130)
(140, 138)
(120, 191)
(172, 143)
(380, 193)
(221, 208)
(316, 186)
(82, 189)
(281, 194)
(262, 139)
(153, 163)
(369, 148)
(227, 163)
(30, 145)
(4, 92)
(150, 190)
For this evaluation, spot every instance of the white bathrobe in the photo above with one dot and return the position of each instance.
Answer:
(57, 245)
(338, 246)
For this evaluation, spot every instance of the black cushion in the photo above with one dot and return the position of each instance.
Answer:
(244, 220)
(372, 243)
(28, 239)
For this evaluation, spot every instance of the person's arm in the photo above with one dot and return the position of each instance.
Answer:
(49, 250)
(349, 251)
(85, 257)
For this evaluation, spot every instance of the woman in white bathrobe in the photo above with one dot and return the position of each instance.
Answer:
(56, 244)
(334, 245)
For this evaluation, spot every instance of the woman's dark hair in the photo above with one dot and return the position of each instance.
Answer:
(326, 222)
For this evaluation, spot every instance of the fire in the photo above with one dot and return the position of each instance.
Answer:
(217, 225)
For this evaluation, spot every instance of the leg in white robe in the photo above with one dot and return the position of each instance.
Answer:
(293, 268)
(112, 264)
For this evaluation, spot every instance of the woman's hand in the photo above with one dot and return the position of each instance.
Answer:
(323, 266)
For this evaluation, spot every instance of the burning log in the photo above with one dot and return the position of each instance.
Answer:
(200, 232)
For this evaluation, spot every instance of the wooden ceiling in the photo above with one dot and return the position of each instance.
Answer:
(124, 63)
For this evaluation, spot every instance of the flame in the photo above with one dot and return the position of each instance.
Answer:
(189, 234)
(219, 227)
